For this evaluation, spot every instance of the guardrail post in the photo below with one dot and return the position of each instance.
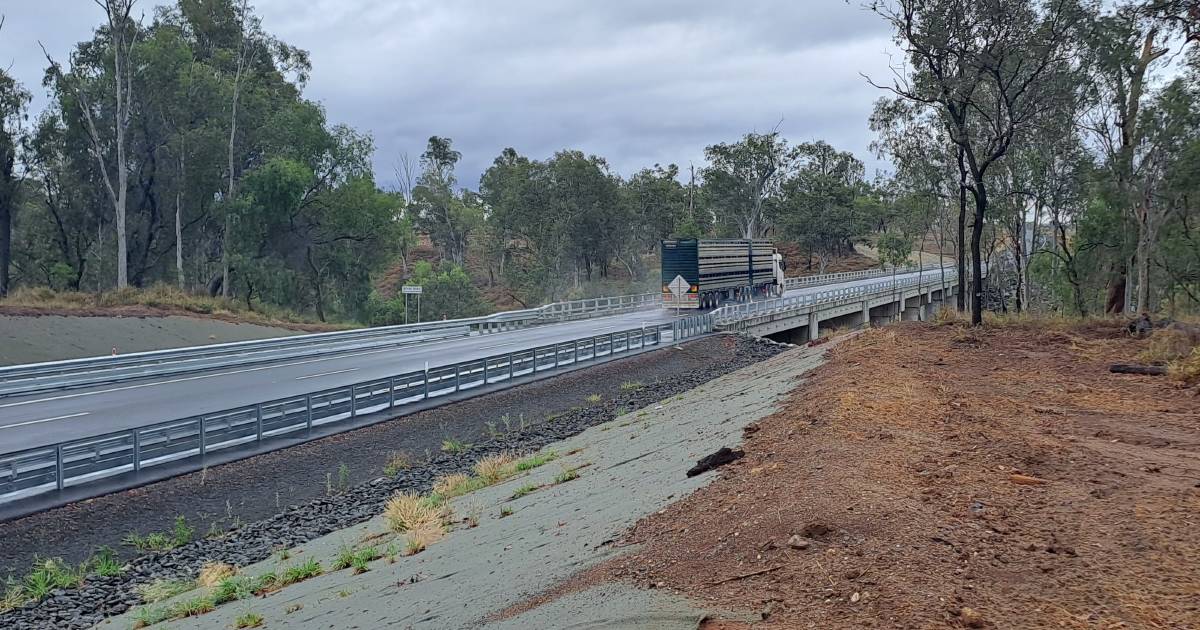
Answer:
(425, 385)
(456, 376)
(575, 352)
(203, 438)
(258, 413)
(510, 366)
(353, 401)
(485, 361)
(556, 355)
(308, 413)
(610, 344)
(391, 392)
(58, 467)
(137, 450)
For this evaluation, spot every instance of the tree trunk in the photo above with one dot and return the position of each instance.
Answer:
(962, 229)
(981, 201)
(1144, 245)
(6, 213)
(179, 226)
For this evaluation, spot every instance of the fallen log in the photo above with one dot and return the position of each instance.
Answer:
(719, 458)
(1149, 370)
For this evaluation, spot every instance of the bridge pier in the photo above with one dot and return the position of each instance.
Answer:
(814, 326)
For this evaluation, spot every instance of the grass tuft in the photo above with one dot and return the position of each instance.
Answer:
(397, 461)
(160, 590)
(494, 468)
(408, 510)
(593, 399)
(631, 386)
(1186, 369)
(213, 573)
(453, 445)
(524, 490)
(419, 538)
(248, 619)
(566, 475)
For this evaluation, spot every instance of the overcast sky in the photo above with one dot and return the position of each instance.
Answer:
(638, 82)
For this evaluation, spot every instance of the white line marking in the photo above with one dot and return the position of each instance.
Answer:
(21, 424)
(301, 378)
(499, 345)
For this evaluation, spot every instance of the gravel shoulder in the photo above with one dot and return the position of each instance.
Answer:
(628, 468)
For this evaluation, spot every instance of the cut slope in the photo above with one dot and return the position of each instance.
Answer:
(34, 339)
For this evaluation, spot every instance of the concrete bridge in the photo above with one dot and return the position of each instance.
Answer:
(875, 302)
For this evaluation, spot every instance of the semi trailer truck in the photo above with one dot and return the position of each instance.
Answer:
(720, 270)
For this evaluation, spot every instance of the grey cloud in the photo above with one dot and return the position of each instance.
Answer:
(635, 81)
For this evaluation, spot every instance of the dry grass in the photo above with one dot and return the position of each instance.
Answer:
(161, 297)
(1167, 346)
(408, 511)
(450, 485)
(212, 573)
(1186, 369)
(419, 538)
(494, 468)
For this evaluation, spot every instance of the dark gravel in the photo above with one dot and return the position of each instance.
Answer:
(553, 410)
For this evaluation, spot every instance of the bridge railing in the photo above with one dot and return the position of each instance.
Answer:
(847, 276)
(54, 467)
(734, 313)
(577, 309)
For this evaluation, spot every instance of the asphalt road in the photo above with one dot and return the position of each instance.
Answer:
(41, 419)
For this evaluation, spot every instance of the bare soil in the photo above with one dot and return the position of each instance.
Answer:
(937, 476)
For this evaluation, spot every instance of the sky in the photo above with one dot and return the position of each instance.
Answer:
(637, 82)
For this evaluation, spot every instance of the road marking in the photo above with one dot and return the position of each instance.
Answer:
(301, 378)
(22, 424)
(499, 345)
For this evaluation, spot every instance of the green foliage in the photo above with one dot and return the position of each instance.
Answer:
(249, 619)
(453, 445)
(524, 490)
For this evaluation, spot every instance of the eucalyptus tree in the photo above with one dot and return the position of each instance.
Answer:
(985, 66)
(743, 181)
(13, 100)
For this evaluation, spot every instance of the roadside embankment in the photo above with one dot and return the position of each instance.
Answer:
(290, 497)
(943, 476)
(39, 338)
(512, 536)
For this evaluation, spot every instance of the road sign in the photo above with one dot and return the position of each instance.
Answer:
(411, 289)
(678, 287)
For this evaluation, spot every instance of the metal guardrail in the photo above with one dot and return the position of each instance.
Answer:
(24, 379)
(846, 276)
(54, 467)
(728, 317)
(577, 309)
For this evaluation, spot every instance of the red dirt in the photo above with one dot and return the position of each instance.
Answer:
(906, 463)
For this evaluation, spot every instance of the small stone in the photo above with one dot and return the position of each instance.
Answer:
(855, 597)
(971, 617)
(799, 542)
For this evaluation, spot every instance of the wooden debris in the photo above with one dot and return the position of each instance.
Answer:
(1149, 370)
(1025, 480)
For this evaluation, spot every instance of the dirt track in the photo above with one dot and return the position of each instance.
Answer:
(942, 477)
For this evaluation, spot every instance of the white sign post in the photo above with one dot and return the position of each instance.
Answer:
(679, 288)
(412, 289)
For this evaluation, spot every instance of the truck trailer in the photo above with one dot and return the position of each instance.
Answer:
(720, 270)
